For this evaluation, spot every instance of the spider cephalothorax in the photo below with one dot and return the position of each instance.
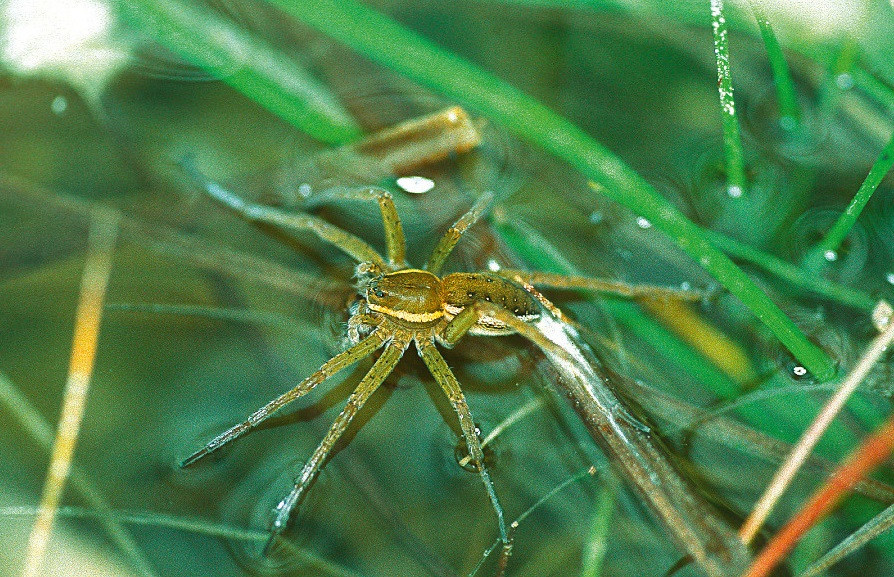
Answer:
(398, 306)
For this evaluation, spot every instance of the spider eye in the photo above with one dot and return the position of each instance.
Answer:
(379, 293)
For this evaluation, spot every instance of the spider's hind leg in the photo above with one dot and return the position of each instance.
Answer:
(575, 282)
(359, 351)
(447, 380)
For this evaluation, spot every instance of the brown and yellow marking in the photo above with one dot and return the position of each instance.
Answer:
(411, 295)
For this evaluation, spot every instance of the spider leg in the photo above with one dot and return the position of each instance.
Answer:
(561, 281)
(355, 353)
(453, 234)
(707, 538)
(367, 386)
(447, 380)
(394, 232)
(352, 245)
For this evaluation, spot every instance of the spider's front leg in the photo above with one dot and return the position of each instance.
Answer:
(370, 383)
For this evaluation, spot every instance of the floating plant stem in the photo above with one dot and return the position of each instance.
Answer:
(829, 246)
(247, 63)
(732, 138)
(94, 281)
(383, 40)
(591, 471)
(789, 111)
(811, 436)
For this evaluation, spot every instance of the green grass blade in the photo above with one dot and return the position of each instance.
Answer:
(793, 274)
(828, 247)
(732, 137)
(248, 64)
(385, 41)
(789, 111)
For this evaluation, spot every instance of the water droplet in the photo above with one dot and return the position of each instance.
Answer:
(799, 371)
(830, 255)
(844, 81)
(59, 105)
(643, 223)
(734, 191)
(890, 277)
(415, 184)
(685, 286)
(304, 190)
(493, 265)
(596, 217)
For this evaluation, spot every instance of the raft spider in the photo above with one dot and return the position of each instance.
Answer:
(396, 306)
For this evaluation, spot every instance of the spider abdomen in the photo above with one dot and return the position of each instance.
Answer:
(465, 289)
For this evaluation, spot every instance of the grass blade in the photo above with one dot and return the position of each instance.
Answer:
(789, 111)
(385, 41)
(859, 538)
(871, 453)
(827, 249)
(732, 137)
(39, 430)
(811, 436)
(246, 63)
(189, 525)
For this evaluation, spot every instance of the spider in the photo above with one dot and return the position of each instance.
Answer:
(396, 306)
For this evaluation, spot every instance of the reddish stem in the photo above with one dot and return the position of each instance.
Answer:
(871, 453)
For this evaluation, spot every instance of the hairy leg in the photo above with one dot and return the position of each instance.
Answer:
(394, 232)
(352, 245)
(367, 386)
(445, 377)
(453, 234)
(356, 353)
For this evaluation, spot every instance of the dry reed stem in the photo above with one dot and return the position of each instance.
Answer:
(100, 249)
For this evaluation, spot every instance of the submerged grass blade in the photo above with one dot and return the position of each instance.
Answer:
(385, 41)
(732, 137)
(856, 540)
(789, 111)
(189, 525)
(38, 429)
(248, 64)
(100, 249)
(597, 543)
(828, 247)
